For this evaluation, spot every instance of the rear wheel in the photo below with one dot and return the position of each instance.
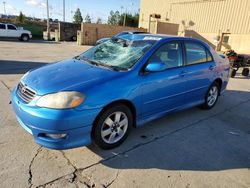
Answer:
(233, 73)
(112, 126)
(212, 96)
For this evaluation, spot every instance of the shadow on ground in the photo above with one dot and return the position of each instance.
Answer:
(193, 139)
(30, 41)
(18, 67)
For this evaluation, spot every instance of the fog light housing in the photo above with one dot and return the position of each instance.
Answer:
(56, 136)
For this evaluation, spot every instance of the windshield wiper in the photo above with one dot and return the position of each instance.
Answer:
(87, 60)
(98, 63)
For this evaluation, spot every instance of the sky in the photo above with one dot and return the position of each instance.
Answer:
(95, 8)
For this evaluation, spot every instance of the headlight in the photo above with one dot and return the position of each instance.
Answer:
(61, 100)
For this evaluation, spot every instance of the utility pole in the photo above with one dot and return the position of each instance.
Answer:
(4, 9)
(48, 24)
(64, 10)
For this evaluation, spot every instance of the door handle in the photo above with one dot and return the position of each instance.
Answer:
(182, 73)
(211, 67)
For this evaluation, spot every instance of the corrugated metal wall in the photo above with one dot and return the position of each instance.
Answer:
(209, 16)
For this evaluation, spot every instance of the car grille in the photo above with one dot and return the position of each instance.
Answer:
(25, 93)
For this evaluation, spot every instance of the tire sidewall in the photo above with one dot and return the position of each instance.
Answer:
(102, 117)
(206, 106)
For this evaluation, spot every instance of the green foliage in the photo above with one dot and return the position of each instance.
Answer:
(21, 18)
(87, 19)
(77, 18)
(131, 20)
(36, 29)
(115, 18)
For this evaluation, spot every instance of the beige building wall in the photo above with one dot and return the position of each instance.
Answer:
(210, 17)
(91, 32)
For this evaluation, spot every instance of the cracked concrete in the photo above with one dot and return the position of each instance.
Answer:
(30, 166)
(192, 148)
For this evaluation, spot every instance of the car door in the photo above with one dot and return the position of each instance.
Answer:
(198, 71)
(163, 91)
(3, 30)
(11, 31)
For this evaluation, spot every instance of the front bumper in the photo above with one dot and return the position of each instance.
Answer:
(39, 122)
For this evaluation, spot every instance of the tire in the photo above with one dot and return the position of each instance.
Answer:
(25, 38)
(212, 96)
(233, 73)
(74, 38)
(245, 72)
(113, 126)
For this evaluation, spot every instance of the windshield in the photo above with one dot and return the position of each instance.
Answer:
(118, 53)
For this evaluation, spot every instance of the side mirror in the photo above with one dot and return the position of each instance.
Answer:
(155, 67)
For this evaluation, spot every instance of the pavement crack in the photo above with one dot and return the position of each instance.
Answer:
(30, 166)
(8, 88)
(110, 183)
(73, 174)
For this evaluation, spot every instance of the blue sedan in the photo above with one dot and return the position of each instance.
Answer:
(124, 82)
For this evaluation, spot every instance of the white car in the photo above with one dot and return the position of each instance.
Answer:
(11, 31)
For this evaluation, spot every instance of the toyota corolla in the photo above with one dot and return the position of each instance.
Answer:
(124, 82)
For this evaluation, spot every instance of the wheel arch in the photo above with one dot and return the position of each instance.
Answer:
(125, 102)
(219, 82)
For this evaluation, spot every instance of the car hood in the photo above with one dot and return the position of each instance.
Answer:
(25, 31)
(68, 75)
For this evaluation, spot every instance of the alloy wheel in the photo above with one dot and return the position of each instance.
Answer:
(212, 96)
(114, 127)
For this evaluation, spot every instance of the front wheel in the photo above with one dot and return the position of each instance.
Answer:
(25, 38)
(112, 126)
(212, 96)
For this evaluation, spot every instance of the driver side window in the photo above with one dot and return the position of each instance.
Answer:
(170, 54)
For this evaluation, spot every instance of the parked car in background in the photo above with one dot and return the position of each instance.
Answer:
(124, 82)
(11, 31)
(118, 35)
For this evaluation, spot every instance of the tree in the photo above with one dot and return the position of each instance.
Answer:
(131, 20)
(21, 18)
(87, 19)
(77, 17)
(114, 18)
(99, 21)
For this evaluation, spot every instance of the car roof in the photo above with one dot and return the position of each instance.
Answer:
(157, 37)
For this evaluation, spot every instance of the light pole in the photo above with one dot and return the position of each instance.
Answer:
(48, 24)
(64, 10)
(4, 9)
(124, 18)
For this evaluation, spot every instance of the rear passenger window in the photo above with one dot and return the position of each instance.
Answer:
(196, 53)
(209, 56)
(2, 26)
